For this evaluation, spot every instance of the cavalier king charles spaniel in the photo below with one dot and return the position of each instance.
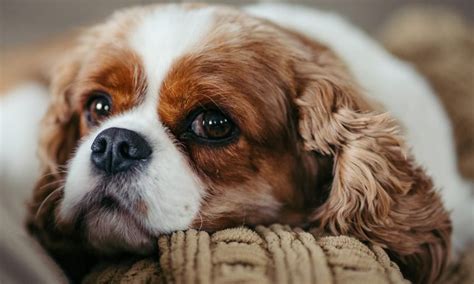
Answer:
(171, 117)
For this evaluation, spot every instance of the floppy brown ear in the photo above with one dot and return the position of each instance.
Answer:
(59, 134)
(378, 193)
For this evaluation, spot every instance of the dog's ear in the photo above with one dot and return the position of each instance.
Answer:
(59, 134)
(377, 194)
(60, 130)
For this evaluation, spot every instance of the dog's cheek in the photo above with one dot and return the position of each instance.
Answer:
(249, 203)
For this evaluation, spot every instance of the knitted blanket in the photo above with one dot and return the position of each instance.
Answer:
(274, 254)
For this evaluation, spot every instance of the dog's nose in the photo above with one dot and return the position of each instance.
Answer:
(116, 150)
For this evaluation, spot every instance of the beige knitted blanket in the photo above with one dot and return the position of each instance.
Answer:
(275, 254)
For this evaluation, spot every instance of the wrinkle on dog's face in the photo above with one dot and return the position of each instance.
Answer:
(157, 77)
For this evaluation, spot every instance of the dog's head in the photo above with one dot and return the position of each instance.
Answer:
(174, 117)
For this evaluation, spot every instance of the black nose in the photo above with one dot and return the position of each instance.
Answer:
(116, 150)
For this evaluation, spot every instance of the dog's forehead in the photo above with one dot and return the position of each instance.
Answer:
(165, 34)
(177, 57)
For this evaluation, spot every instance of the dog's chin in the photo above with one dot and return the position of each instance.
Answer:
(113, 231)
(109, 226)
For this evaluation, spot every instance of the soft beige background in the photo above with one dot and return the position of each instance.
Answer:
(24, 21)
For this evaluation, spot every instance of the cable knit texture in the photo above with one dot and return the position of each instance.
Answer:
(275, 254)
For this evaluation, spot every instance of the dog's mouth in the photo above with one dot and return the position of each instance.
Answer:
(123, 213)
(110, 203)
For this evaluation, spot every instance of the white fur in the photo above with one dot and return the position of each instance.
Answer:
(402, 91)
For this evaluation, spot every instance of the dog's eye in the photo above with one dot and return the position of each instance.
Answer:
(98, 108)
(212, 125)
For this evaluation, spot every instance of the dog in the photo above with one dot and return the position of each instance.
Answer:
(171, 117)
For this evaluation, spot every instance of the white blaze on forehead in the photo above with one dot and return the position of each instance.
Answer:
(165, 34)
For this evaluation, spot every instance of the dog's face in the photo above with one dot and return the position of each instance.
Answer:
(176, 117)
(185, 119)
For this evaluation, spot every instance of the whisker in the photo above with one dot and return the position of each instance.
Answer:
(46, 199)
(59, 171)
(47, 175)
(213, 102)
(52, 183)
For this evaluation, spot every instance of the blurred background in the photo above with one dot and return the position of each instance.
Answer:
(25, 21)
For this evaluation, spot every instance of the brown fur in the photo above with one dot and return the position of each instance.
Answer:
(312, 149)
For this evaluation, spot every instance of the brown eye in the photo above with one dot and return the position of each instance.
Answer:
(98, 108)
(212, 125)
